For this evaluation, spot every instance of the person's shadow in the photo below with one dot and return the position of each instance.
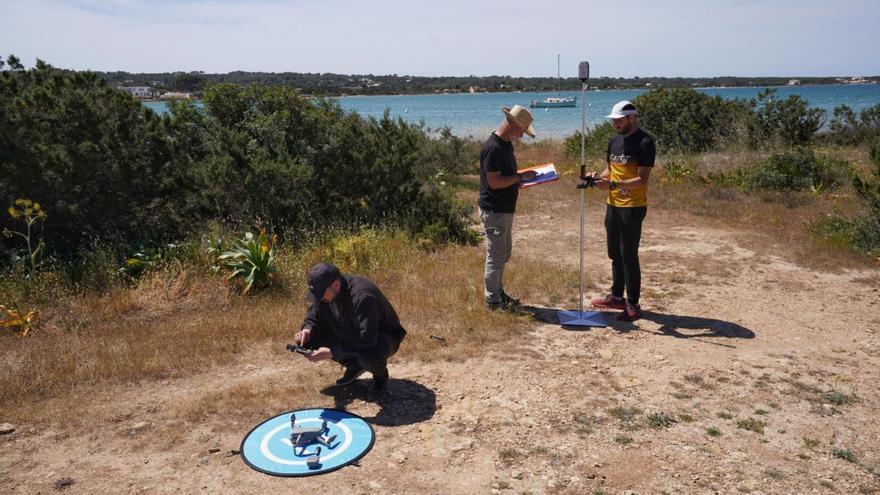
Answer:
(539, 313)
(695, 326)
(403, 402)
(678, 326)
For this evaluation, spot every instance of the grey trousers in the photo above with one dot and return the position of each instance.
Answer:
(499, 244)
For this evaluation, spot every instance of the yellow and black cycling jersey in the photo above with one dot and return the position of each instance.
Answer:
(625, 156)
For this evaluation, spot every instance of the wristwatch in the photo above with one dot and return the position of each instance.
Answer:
(612, 186)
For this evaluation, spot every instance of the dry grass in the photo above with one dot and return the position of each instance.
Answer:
(176, 324)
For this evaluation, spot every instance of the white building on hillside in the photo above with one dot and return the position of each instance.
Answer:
(171, 95)
(138, 91)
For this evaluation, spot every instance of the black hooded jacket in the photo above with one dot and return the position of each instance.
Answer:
(355, 318)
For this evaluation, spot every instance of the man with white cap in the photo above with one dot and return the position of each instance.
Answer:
(499, 189)
(630, 159)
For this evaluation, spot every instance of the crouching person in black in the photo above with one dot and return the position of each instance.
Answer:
(351, 322)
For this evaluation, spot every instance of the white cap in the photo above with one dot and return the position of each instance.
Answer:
(622, 109)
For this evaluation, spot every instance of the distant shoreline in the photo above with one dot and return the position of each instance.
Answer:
(347, 85)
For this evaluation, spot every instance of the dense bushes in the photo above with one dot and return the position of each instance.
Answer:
(689, 121)
(106, 169)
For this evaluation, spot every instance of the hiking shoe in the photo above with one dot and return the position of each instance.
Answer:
(351, 374)
(631, 312)
(380, 384)
(507, 300)
(610, 302)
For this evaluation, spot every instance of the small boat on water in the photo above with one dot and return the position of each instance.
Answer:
(555, 101)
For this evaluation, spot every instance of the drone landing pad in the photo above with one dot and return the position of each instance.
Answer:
(268, 448)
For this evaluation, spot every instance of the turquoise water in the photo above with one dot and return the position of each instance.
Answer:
(478, 114)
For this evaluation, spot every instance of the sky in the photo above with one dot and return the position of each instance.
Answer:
(691, 38)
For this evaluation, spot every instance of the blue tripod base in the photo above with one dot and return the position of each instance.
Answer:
(581, 319)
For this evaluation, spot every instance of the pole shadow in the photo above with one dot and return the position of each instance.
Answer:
(403, 402)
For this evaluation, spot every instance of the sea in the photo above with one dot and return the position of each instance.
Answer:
(477, 115)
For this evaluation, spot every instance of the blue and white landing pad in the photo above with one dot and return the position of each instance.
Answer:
(272, 449)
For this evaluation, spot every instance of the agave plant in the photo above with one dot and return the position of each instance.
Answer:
(252, 259)
(16, 318)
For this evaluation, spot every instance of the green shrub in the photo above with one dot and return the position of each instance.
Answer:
(788, 122)
(680, 170)
(844, 454)
(595, 142)
(797, 169)
(751, 424)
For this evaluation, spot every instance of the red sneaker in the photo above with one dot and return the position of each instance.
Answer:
(609, 301)
(631, 312)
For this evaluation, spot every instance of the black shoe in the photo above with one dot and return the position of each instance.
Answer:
(351, 374)
(380, 384)
(494, 306)
(507, 300)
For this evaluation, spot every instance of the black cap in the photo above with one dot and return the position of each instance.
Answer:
(320, 277)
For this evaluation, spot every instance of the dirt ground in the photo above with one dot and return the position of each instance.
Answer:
(748, 374)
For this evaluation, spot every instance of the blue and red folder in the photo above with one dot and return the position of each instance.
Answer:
(546, 173)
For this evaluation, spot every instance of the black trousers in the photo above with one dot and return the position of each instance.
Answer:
(373, 359)
(624, 229)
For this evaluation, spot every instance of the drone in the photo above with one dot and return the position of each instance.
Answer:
(302, 436)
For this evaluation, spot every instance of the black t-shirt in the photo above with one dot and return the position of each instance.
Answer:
(637, 149)
(497, 156)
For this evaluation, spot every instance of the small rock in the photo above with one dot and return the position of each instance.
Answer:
(464, 443)
(517, 474)
(551, 484)
(495, 485)
(6, 428)
(375, 485)
(61, 484)
(137, 427)
(606, 354)
(630, 382)
(398, 457)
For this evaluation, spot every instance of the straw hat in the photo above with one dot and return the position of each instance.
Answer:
(520, 117)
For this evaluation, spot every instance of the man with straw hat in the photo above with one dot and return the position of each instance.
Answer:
(499, 188)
